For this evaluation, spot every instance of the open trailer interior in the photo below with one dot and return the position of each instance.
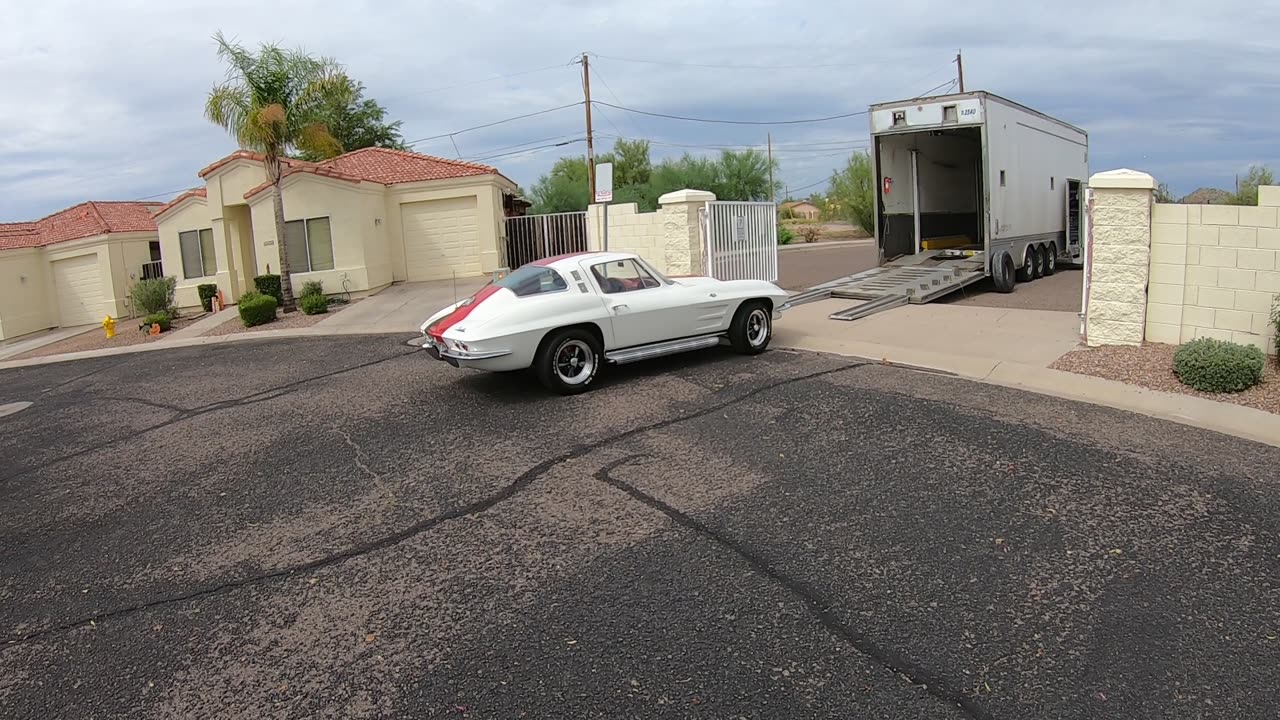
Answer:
(968, 186)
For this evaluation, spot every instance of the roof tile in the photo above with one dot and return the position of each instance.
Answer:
(87, 219)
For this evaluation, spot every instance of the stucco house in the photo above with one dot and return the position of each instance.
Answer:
(75, 266)
(357, 222)
(802, 209)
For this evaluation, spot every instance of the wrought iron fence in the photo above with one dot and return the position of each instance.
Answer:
(533, 237)
(152, 270)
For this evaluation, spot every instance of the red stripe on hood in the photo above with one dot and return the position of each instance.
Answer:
(460, 313)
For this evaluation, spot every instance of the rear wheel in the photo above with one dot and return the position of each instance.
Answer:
(1050, 263)
(752, 329)
(568, 361)
(1027, 272)
(1038, 252)
(1002, 273)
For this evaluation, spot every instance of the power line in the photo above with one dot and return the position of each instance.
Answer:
(807, 66)
(532, 150)
(163, 194)
(730, 122)
(831, 145)
(612, 94)
(491, 151)
(948, 84)
(496, 122)
(812, 185)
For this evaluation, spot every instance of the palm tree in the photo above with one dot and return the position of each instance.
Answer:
(271, 102)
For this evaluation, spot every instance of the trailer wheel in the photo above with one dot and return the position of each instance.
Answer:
(1050, 263)
(1027, 272)
(1002, 273)
(1038, 252)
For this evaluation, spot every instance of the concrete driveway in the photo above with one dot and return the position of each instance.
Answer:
(401, 307)
(339, 528)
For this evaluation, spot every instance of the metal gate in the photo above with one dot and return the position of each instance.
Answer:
(533, 237)
(741, 240)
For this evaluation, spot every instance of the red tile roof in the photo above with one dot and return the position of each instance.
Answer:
(380, 165)
(196, 192)
(87, 219)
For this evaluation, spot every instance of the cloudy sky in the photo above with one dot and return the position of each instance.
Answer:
(102, 100)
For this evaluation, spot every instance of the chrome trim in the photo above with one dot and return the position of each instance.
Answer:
(670, 347)
(465, 355)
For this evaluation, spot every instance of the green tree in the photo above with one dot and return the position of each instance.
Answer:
(631, 164)
(357, 122)
(1164, 194)
(564, 189)
(851, 195)
(744, 175)
(273, 102)
(1247, 194)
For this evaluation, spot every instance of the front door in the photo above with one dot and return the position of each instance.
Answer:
(642, 309)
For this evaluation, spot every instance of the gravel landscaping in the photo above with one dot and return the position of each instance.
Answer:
(291, 321)
(127, 333)
(1151, 366)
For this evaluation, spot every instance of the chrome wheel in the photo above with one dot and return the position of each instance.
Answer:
(758, 327)
(575, 362)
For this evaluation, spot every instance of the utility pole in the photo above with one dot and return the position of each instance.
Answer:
(771, 197)
(591, 150)
(959, 70)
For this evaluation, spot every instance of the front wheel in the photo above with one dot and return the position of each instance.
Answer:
(568, 361)
(752, 329)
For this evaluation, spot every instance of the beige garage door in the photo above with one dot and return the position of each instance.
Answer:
(441, 237)
(78, 284)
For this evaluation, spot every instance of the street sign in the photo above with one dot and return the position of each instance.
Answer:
(604, 182)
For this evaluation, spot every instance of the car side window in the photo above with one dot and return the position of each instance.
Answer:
(619, 276)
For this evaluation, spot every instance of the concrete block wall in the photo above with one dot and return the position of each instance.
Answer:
(669, 239)
(1209, 270)
(1119, 256)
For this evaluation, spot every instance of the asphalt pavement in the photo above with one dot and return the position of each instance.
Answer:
(342, 528)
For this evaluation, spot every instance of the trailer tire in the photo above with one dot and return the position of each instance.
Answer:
(1038, 252)
(1002, 273)
(1050, 263)
(1027, 272)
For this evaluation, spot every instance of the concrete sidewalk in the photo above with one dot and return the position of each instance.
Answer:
(1013, 348)
(30, 342)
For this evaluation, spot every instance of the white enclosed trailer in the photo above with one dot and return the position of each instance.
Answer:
(968, 186)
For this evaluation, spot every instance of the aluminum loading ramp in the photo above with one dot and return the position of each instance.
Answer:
(911, 279)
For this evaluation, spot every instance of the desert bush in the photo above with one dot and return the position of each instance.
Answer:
(207, 292)
(810, 233)
(163, 319)
(270, 285)
(785, 235)
(257, 308)
(313, 304)
(312, 287)
(1218, 366)
(153, 296)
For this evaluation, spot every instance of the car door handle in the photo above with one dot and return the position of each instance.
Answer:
(619, 308)
(713, 294)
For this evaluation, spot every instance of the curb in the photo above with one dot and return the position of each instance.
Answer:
(1237, 420)
(859, 242)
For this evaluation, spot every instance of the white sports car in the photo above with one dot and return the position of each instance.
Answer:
(565, 316)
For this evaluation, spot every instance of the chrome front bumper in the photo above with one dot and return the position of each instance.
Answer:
(454, 355)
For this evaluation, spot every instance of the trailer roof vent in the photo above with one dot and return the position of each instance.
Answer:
(949, 114)
(899, 118)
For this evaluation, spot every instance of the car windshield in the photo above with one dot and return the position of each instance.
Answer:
(532, 280)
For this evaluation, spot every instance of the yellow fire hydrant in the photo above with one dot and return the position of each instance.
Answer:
(109, 324)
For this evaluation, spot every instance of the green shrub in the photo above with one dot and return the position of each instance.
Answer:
(163, 319)
(270, 285)
(257, 308)
(785, 235)
(312, 287)
(313, 304)
(207, 292)
(153, 296)
(1275, 324)
(1218, 366)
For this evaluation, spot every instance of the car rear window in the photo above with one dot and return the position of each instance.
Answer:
(533, 280)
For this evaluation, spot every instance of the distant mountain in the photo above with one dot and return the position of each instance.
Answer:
(1207, 196)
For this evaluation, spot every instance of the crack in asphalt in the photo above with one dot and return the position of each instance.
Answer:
(184, 415)
(818, 606)
(509, 491)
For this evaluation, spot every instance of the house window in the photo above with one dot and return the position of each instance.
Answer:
(309, 244)
(198, 258)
